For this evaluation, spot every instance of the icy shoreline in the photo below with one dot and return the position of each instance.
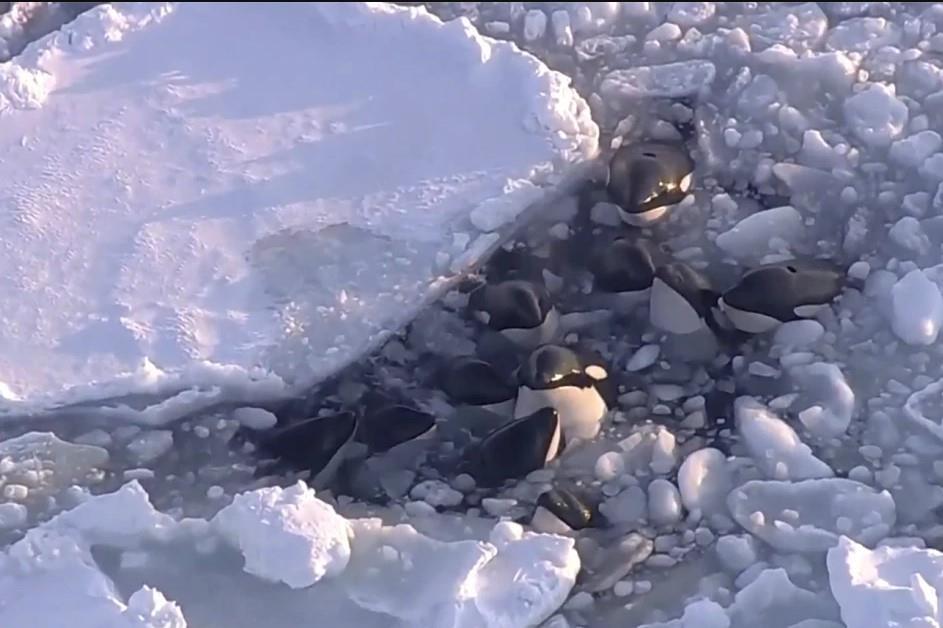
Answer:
(237, 245)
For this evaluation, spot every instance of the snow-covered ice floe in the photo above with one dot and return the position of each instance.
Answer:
(358, 569)
(229, 205)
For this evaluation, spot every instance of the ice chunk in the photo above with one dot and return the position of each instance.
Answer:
(148, 608)
(535, 25)
(908, 234)
(12, 516)
(286, 535)
(775, 447)
(151, 445)
(704, 480)
(672, 80)
(888, 586)
(530, 578)
(811, 515)
(646, 356)
(800, 27)
(798, 334)
(912, 151)
(688, 14)
(52, 580)
(43, 456)
(562, 31)
(751, 236)
(629, 506)
(618, 560)
(515, 579)
(664, 502)
(781, 604)
(876, 116)
(255, 418)
(701, 613)
(395, 581)
(916, 309)
(736, 552)
(609, 466)
(827, 401)
(436, 493)
(863, 34)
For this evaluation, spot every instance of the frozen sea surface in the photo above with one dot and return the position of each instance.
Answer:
(786, 480)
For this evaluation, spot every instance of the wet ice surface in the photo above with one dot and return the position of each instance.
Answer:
(718, 517)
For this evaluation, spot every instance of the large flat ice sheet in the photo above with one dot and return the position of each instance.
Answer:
(244, 198)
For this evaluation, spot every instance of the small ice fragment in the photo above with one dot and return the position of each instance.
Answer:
(912, 151)
(436, 493)
(535, 25)
(736, 552)
(751, 236)
(151, 445)
(12, 516)
(498, 507)
(255, 418)
(562, 30)
(664, 502)
(916, 309)
(876, 116)
(643, 358)
(859, 270)
(609, 466)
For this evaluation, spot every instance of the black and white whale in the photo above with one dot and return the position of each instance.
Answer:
(474, 382)
(562, 511)
(392, 425)
(647, 179)
(556, 377)
(772, 294)
(519, 310)
(519, 447)
(682, 299)
(625, 269)
(317, 445)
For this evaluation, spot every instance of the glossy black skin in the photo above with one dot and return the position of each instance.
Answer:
(516, 448)
(777, 289)
(312, 443)
(693, 286)
(569, 508)
(624, 266)
(541, 369)
(392, 425)
(475, 382)
(513, 304)
(639, 173)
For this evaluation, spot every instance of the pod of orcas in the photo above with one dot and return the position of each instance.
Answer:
(554, 394)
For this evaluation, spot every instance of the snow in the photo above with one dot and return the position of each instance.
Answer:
(286, 535)
(750, 238)
(513, 579)
(775, 447)
(811, 515)
(212, 242)
(916, 309)
(887, 586)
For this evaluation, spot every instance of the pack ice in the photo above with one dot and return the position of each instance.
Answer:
(359, 570)
(235, 203)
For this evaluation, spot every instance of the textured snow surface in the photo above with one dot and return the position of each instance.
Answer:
(887, 586)
(205, 198)
(286, 535)
(512, 579)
